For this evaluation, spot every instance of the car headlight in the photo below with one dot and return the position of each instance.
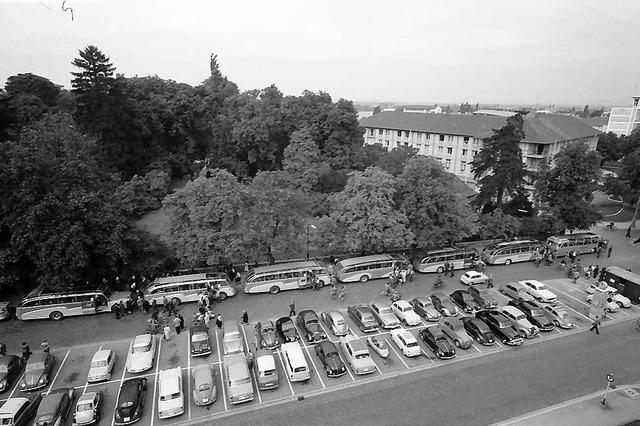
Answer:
(263, 343)
(3, 383)
(23, 385)
(41, 381)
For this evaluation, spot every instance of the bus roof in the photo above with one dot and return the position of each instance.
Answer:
(512, 243)
(446, 250)
(190, 277)
(623, 273)
(572, 236)
(286, 266)
(367, 259)
(41, 291)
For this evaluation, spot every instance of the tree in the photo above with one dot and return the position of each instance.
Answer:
(610, 146)
(365, 213)
(498, 225)
(96, 73)
(34, 85)
(627, 183)
(585, 112)
(342, 147)
(498, 167)
(142, 193)
(394, 161)
(302, 160)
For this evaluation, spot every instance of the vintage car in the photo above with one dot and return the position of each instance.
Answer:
(405, 313)
(37, 371)
(558, 315)
(18, 411)
(199, 340)
(87, 409)
(437, 342)
(130, 402)
(356, 354)
(238, 378)
(203, 384)
(310, 326)
(327, 353)
(55, 407)
(622, 301)
(231, 338)
(264, 367)
(534, 312)
(424, 307)
(286, 330)
(515, 291)
(405, 341)
(266, 337)
(484, 297)
(170, 395)
(465, 301)
(101, 366)
(141, 353)
(520, 322)
(478, 330)
(539, 291)
(444, 305)
(10, 369)
(384, 315)
(336, 323)
(473, 277)
(500, 326)
(363, 317)
(454, 329)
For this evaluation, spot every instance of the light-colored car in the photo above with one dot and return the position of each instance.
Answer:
(515, 291)
(611, 306)
(405, 341)
(19, 410)
(204, 387)
(558, 315)
(405, 313)
(266, 373)
(141, 353)
(454, 329)
(4, 310)
(355, 353)
(539, 291)
(384, 315)
(622, 301)
(520, 322)
(101, 366)
(237, 378)
(232, 339)
(87, 409)
(473, 277)
(424, 307)
(336, 323)
(170, 396)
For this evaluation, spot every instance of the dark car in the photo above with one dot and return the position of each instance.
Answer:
(266, 337)
(286, 330)
(55, 407)
(483, 296)
(501, 327)
(130, 403)
(477, 329)
(310, 326)
(37, 371)
(364, 318)
(331, 361)
(534, 313)
(442, 303)
(465, 301)
(437, 342)
(10, 368)
(200, 342)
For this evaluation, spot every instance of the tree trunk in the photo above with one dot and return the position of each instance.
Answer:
(499, 198)
(635, 213)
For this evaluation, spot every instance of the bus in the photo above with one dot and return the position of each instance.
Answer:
(367, 268)
(43, 303)
(187, 288)
(285, 276)
(434, 260)
(626, 282)
(581, 242)
(509, 252)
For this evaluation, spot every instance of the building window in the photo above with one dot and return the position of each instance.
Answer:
(441, 138)
(406, 133)
(466, 139)
(426, 135)
(439, 160)
(406, 144)
(440, 149)
(449, 138)
(463, 166)
(447, 163)
(475, 141)
(399, 133)
(449, 150)
(370, 132)
(464, 152)
(379, 131)
(474, 153)
(380, 141)
(386, 133)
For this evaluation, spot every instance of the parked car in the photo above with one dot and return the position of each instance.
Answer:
(286, 330)
(18, 411)
(515, 291)
(484, 297)
(558, 315)
(266, 336)
(130, 403)
(200, 342)
(500, 326)
(55, 407)
(356, 354)
(520, 322)
(465, 301)
(473, 277)
(328, 355)
(363, 317)
(539, 291)
(170, 396)
(622, 301)
(384, 315)
(5, 310)
(101, 366)
(424, 307)
(10, 368)
(534, 313)
(336, 322)
(310, 326)
(231, 338)
(264, 367)
(610, 306)
(437, 342)
(444, 305)
(37, 371)
(478, 330)
(405, 341)
(87, 409)
(405, 313)
(203, 384)
(141, 353)
(237, 378)
(454, 329)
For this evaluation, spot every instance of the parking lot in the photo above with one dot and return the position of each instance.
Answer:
(73, 363)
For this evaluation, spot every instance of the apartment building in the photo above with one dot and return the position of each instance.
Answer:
(624, 120)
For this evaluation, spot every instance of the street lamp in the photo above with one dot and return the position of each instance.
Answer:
(309, 226)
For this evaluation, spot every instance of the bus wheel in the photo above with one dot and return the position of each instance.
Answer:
(440, 269)
(175, 301)
(55, 315)
(322, 283)
(507, 262)
(364, 278)
(222, 295)
(274, 290)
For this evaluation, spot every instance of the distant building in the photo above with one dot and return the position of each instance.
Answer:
(624, 120)
(494, 112)
(455, 139)
(364, 114)
(598, 123)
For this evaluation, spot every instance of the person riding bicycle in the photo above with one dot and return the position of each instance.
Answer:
(334, 291)
(439, 283)
(341, 294)
(388, 290)
(611, 226)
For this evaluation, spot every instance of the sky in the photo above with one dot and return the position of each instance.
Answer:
(431, 51)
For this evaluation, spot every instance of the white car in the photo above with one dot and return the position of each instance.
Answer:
(611, 306)
(170, 396)
(405, 313)
(141, 353)
(87, 409)
(539, 291)
(473, 277)
(520, 322)
(101, 366)
(622, 301)
(356, 354)
(384, 315)
(406, 342)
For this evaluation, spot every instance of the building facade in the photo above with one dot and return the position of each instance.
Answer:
(455, 139)
(624, 120)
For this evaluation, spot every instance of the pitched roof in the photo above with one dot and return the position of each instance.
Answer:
(544, 128)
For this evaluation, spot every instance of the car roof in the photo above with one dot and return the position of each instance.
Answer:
(266, 361)
(512, 310)
(12, 405)
(170, 381)
(87, 397)
(101, 355)
(39, 356)
(283, 320)
(230, 326)
(142, 340)
(50, 402)
(534, 282)
(422, 299)
(327, 345)
(308, 313)
(129, 389)
(440, 295)
(404, 333)
(402, 303)
(236, 365)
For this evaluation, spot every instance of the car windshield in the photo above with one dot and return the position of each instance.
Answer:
(562, 314)
(97, 364)
(286, 326)
(267, 329)
(367, 317)
(126, 404)
(46, 418)
(239, 382)
(467, 297)
(362, 356)
(412, 344)
(339, 321)
(85, 406)
(4, 368)
(385, 310)
(536, 313)
(170, 397)
(266, 373)
(204, 387)
(34, 366)
(140, 349)
(199, 337)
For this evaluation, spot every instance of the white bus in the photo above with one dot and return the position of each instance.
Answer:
(186, 288)
(367, 268)
(285, 276)
(434, 260)
(581, 242)
(509, 252)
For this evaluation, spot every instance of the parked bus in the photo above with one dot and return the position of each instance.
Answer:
(581, 242)
(367, 268)
(285, 276)
(186, 288)
(509, 252)
(627, 283)
(434, 260)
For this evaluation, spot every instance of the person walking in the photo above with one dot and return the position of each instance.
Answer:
(181, 318)
(167, 332)
(176, 323)
(595, 325)
(576, 275)
(609, 250)
(44, 345)
(292, 308)
(145, 306)
(628, 234)
(490, 281)
(26, 351)
(165, 303)
(246, 266)
(219, 322)
(452, 269)
(245, 317)
(410, 272)
(595, 271)
(154, 305)
(598, 250)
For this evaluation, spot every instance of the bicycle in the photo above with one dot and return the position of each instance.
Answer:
(611, 227)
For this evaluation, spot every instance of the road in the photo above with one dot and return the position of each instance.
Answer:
(478, 391)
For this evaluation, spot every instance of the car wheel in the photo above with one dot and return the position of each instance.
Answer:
(175, 301)
(322, 283)
(274, 290)
(457, 343)
(364, 278)
(56, 315)
(556, 323)
(440, 269)
(222, 296)
(523, 334)
(507, 262)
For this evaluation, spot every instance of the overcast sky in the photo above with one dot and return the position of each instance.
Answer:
(543, 51)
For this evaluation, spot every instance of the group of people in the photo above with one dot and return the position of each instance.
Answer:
(26, 350)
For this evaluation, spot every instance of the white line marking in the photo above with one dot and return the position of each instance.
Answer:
(155, 383)
(251, 371)
(306, 348)
(222, 384)
(15, 388)
(124, 372)
(59, 369)
(577, 300)
(189, 396)
(396, 352)
(474, 347)
(285, 371)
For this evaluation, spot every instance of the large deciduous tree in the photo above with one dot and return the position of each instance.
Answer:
(302, 160)
(627, 182)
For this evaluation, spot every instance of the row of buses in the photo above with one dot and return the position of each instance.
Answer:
(40, 304)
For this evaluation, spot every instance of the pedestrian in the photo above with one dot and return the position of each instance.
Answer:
(219, 322)
(598, 250)
(595, 325)
(628, 234)
(452, 269)
(490, 281)
(292, 308)
(165, 303)
(123, 310)
(26, 351)
(602, 270)
(595, 271)
(410, 272)
(145, 306)
(246, 266)
(154, 305)
(538, 260)
(3, 349)
(172, 307)
(129, 306)
(167, 332)
(44, 345)
(140, 303)
(576, 275)
(181, 318)
(117, 311)
(176, 324)
(609, 250)
(245, 317)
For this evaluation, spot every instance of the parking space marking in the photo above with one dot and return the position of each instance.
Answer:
(155, 382)
(497, 341)
(285, 375)
(189, 396)
(124, 372)
(474, 347)
(224, 396)
(86, 383)
(577, 300)
(15, 388)
(59, 369)
(251, 371)
(306, 348)
(395, 352)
